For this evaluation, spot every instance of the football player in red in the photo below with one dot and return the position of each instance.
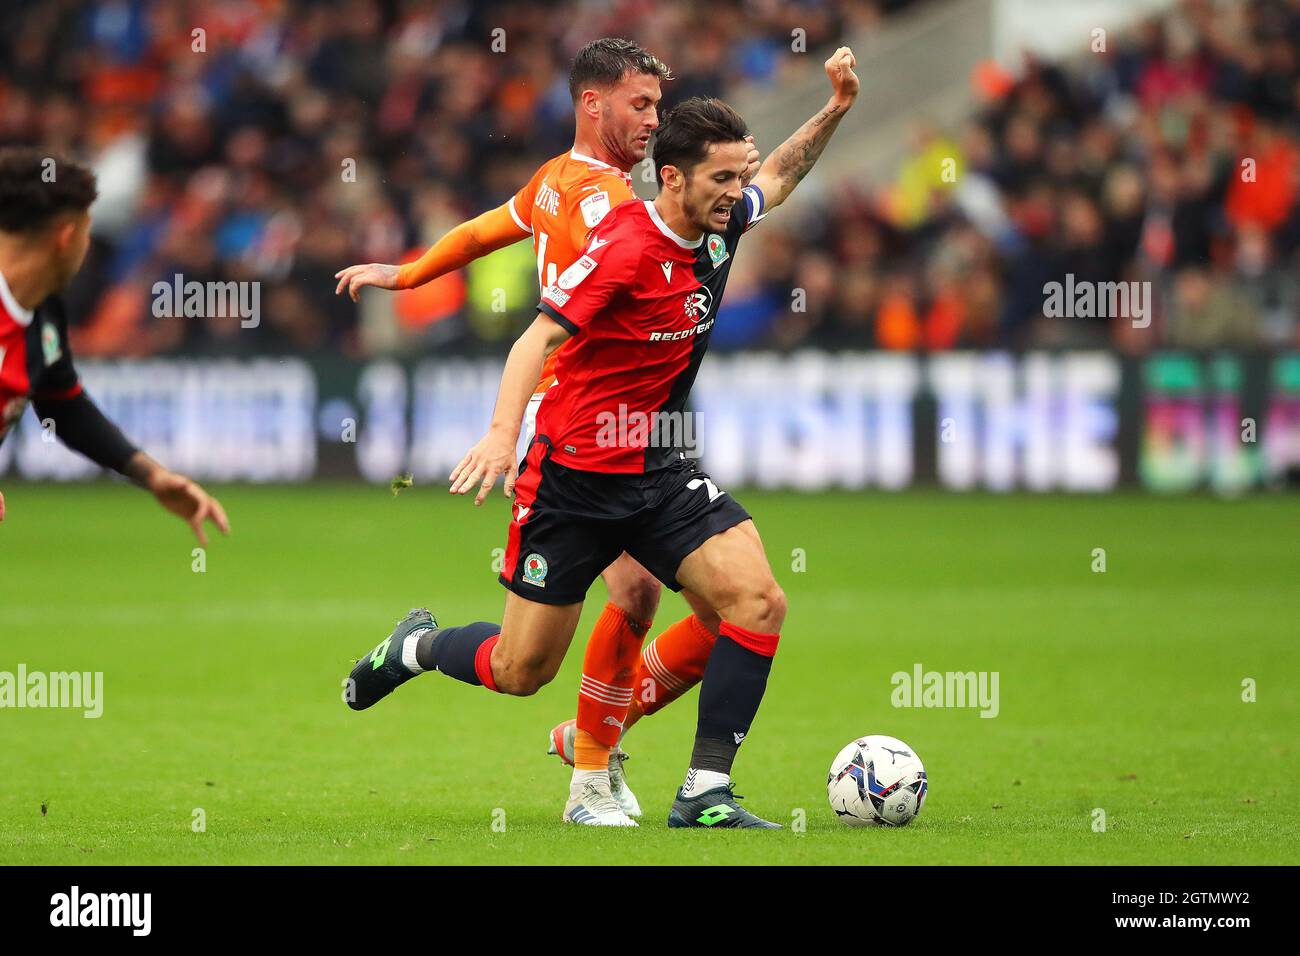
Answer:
(615, 86)
(637, 310)
(44, 234)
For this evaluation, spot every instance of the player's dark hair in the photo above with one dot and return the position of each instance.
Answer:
(37, 185)
(689, 128)
(603, 62)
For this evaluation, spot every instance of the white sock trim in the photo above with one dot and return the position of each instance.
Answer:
(408, 650)
(698, 781)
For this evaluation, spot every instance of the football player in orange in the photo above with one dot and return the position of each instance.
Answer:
(615, 86)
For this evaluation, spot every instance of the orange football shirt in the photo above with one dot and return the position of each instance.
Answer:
(563, 201)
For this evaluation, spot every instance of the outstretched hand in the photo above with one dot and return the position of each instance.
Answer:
(189, 502)
(492, 457)
(356, 278)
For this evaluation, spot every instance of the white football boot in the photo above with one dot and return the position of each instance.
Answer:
(618, 787)
(561, 744)
(590, 803)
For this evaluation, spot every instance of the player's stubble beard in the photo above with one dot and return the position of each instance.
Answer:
(621, 145)
(697, 209)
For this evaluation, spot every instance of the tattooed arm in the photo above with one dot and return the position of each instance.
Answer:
(790, 162)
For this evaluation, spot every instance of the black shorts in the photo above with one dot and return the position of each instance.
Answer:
(567, 526)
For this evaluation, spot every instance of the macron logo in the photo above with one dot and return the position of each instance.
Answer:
(596, 243)
(668, 270)
(739, 737)
(103, 909)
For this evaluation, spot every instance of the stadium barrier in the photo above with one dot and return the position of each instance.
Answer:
(1068, 421)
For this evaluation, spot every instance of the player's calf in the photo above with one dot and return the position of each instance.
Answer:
(522, 675)
(523, 682)
(534, 640)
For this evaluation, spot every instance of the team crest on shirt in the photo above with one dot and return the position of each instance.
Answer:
(535, 569)
(717, 250)
(50, 343)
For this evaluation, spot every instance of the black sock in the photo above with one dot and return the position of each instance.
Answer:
(453, 650)
(734, 681)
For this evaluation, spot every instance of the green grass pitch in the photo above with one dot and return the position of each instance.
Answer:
(1119, 690)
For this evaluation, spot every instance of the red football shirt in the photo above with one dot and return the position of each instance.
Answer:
(34, 356)
(640, 303)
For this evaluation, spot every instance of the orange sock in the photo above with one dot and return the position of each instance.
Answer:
(672, 664)
(608, 669)
(589, 753)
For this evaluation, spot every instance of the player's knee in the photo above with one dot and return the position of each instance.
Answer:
(634, 590)
(761, 607)
(772, 607)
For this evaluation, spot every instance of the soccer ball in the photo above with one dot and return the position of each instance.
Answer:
(876, 780)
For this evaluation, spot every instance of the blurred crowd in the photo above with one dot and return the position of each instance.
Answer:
(286, 139)
(1170, 157)
(280, 140)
